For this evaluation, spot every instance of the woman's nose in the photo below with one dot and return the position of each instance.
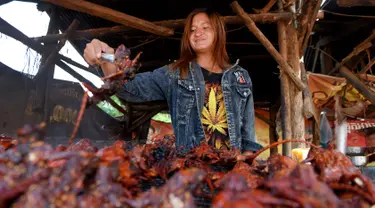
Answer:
(198, 32)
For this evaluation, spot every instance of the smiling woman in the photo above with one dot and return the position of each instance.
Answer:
(210, 100)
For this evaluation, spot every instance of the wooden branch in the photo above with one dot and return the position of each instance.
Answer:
(268, 45)
(52, 56)
(357, 84)
(358, 49)
(368, 66)
(179, 23)
(266, 8)
(112, 15)
(352, 3)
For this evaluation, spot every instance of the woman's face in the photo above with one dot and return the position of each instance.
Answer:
(202, 34)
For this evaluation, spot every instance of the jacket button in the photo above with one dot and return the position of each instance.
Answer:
(245, 93)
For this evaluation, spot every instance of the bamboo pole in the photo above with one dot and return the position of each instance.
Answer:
(357, 84)
(179, 23)
(112, 15)
(268, 45)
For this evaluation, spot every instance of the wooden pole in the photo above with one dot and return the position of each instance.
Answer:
(272, 129)
(285, 92)
(45, 79)
(179, 23)
(112, 15)
(268, 45)
(296, 99)
(357, 84)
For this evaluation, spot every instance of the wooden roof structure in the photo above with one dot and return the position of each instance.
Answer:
(263, 34)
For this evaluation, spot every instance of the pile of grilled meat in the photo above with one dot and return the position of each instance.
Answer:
(34, 174)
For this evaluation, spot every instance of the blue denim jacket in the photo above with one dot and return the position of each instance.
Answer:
(185, 99)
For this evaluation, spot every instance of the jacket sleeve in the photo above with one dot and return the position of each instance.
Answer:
(147, 86)
(248, 125)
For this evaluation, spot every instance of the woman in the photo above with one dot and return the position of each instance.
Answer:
(209, 99)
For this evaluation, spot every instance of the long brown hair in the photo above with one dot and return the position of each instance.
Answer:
(187, 53)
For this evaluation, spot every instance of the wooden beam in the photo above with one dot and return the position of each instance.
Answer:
(11, 31)
(112, 15)
(357, 50)
(179, 23)
(353, 3)
(357, 84)
(5, 2)
(268, 45)
(52, 56)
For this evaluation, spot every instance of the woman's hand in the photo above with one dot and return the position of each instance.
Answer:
(93, 53)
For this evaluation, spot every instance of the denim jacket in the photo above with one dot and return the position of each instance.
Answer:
(185, 99)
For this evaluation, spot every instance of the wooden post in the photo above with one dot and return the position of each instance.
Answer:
(357, 84)
(268, 45)
(112, 15)
(297, 119)
(272, 129)
(285, 86)
(46, 70)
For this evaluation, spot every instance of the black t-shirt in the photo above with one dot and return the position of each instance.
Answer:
(214, 117)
